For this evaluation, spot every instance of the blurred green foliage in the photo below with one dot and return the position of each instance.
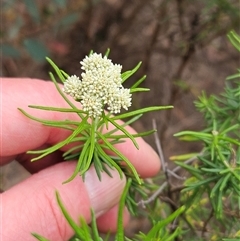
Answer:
(212, 191)
(33, 24)
(28, 26)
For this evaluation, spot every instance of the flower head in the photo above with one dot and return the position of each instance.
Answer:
(72, 87)
(100, 85)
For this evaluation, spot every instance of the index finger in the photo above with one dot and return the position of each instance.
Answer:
(20, 134)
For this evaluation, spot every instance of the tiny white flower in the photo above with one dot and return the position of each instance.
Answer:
(92, 105)
(72, 87)
(125, 98)
(100, 84)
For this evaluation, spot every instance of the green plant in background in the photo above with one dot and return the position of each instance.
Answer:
(25, 23)
(212, 192)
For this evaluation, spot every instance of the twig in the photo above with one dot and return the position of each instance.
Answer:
(159, 148)
(204, 228)
(175, 175)
(165, 184)
(153, 197)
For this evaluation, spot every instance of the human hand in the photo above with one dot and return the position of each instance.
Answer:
(31, 206)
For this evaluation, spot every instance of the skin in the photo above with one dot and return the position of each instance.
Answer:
(31, 206)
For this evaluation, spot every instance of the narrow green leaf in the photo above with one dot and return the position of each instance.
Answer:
(68, 218)
(55, 67)
(97, 165)
(203, 182)
(80, 163)
(63, 95)
(141, 111)
(183, 157)
(219, 205)
(129, 73)
(161, 224)
(120, 229)
(60, 124)
(119, 127)
(140, 134)
(107, 52)
(175, 234)
(231, 239)
(212, 170)
(225, 125)
(234, 76)
(106, 169)
(235, 39)
(224, 181)
(194, 171)
(137, 83)
(207, 162)
(86, 231)
(230, 140)
(39, 237)
(95, 234)
(51, 108)
(112, 148)
(194, 196)
(64, 74)
(92, 139)
(194, 133)
(216, 187)
(139, 90)
(73, 156)
(108, 160)
(73, 149)
(235, 186)
(231, 128)
(126, 123)
(59, 145)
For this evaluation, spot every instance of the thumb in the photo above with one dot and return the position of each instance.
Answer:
(31, 206)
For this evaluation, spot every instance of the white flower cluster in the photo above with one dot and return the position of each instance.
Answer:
(100, 85)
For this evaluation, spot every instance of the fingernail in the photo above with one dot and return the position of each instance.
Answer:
(106, 193)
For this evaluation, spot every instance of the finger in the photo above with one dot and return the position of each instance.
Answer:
(31, 205)
(108, 221)
(47, 161)
(21, 134)
(144, 159)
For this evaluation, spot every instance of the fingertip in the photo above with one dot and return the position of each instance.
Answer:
(106, 193)
(108, 222)
(145, 159)
(152, 163)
